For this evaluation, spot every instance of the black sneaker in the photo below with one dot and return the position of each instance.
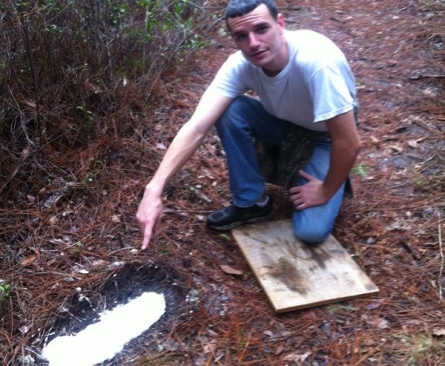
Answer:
(233, 216)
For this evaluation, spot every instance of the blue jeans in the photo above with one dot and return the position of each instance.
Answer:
(246, 120)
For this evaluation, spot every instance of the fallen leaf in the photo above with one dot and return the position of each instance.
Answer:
(210, 346)
(381, 323)
(439, 332)
(412, 143)
(296, 357)
(369, 342)
(28, 260)
(30, 198)
(414, 322)
(30, 103)
(268, 333)
(373, 305)
(52, 220)
(98, 262)
(24, 329)
(230, 270)
(396, 148)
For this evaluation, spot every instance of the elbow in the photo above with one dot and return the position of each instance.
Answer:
(350, 148)
(354, 144)
(195, 130)
(353, 151)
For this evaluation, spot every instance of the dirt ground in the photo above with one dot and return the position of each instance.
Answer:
(81, 255)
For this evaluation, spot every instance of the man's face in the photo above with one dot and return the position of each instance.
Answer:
(260, 38)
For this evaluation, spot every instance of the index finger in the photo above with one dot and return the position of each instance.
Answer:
(147, 236)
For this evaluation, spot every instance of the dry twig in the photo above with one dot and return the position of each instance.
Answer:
(441, 257)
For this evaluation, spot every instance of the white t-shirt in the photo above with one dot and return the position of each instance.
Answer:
(315, 85)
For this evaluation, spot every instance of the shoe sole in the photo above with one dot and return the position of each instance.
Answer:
(239, 223)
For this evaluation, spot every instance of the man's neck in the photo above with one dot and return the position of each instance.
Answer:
(284, 59)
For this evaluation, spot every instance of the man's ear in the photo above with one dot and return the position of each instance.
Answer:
(281, 22)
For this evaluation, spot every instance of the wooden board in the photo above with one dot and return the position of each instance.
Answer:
(296, 275)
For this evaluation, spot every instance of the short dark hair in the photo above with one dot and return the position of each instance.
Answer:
(237, 8)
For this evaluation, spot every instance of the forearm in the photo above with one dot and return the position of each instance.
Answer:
(346, 144)
(181, 149)
(189, 137)
(341, 162)
(150, 208)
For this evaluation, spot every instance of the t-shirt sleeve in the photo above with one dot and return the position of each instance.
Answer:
(229, 81)
(331, 93)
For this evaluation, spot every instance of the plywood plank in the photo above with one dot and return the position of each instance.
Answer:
(295, 275)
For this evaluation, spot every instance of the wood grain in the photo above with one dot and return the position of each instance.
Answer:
(296, 275)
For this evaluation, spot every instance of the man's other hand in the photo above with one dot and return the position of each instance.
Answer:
(308, 195)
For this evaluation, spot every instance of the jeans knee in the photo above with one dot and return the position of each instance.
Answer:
(239, 104)
(234, 111)
(311, 235)
(315, 224)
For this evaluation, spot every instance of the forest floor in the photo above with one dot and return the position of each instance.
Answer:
(82, 254)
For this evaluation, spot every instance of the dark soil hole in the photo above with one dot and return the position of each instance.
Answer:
(123, 285)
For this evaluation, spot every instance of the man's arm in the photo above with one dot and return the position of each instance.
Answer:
(188, 139)
(346, 144)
